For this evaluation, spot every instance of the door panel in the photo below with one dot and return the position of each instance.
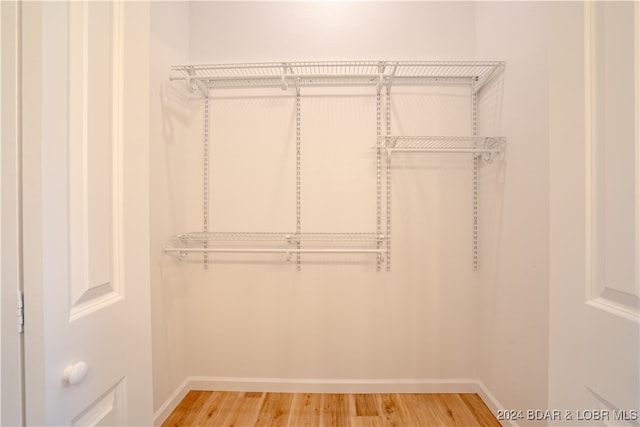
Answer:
(107, 410)
(95, 120)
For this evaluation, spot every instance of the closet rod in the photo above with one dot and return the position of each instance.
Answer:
(280, 250)
(447, 150)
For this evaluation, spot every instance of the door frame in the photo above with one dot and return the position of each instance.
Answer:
(12, 404)
(32, 215)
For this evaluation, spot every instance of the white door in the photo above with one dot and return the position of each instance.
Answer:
(594, 375)
(85, 192)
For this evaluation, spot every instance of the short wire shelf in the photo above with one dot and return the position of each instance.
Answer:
(486, 146)
(336, 73)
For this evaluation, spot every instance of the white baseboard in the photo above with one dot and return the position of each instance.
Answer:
(306, 385)
(493, 404)
(171, 403)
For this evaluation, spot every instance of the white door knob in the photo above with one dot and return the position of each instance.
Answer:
(74, 374)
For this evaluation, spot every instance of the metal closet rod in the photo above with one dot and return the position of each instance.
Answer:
(184, 252)
(278, 250)
(447, 150)
(200, 236)
(487, 154)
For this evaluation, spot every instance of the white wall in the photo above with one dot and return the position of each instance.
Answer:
(288, 31)
(515, 210)
(170, 118)
(331, 320)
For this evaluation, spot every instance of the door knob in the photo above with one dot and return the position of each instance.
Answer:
(74, 374)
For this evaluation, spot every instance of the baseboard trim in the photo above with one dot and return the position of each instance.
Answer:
(305, 385)
(493, 404)
(312, 385)
(171, 403)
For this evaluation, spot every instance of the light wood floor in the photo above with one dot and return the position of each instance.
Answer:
(241, 409)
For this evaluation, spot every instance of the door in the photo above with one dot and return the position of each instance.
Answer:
(595, 214)
(85, 191)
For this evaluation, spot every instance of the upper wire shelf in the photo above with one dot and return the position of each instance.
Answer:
(338, 73)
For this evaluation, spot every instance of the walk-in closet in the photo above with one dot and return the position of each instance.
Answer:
(329, 183)
(320, 213)
(355, 197)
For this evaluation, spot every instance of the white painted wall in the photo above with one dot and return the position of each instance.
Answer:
(170, 117)
(515, 210)
(287, 31)
(331, 321)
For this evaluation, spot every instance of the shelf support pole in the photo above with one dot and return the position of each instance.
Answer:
(298, 180)
(205, 175)
(476, 161)
(378, 176)
(388, 175)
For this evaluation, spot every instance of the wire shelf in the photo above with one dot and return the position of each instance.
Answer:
(340, 237)
(486, 146)
(337, 73)
(185, 252)
(277, 236)
(201, 236)
(289, 240)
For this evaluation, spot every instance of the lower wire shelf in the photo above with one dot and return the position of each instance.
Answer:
(285, 238)
(184, 252)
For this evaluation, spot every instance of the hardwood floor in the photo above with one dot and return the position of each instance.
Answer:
(243, 409)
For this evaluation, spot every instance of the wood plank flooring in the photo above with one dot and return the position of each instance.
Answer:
(249, 409)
